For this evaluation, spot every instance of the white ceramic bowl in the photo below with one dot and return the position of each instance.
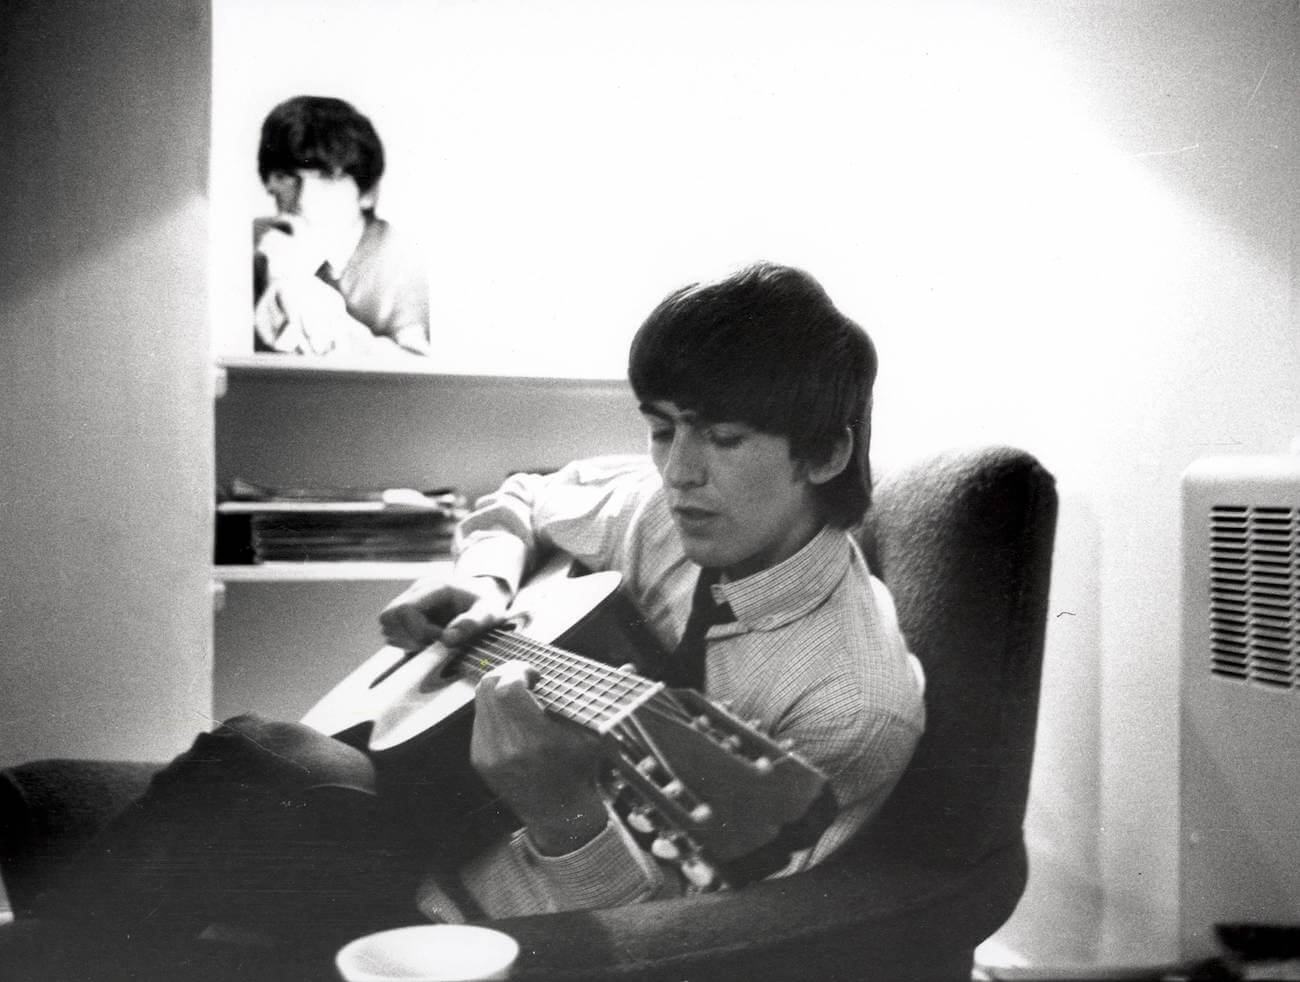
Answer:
(428, 953)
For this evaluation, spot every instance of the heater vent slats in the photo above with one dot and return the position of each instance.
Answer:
(1255, 594)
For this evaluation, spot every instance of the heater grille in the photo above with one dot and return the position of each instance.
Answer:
(1255, 594)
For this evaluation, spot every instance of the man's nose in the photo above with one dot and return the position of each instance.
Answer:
(684, 466)
(302, 193)
(287, 190)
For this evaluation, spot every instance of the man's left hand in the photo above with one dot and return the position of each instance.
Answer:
(545, 769)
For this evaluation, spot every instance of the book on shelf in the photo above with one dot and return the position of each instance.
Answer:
(258, 524)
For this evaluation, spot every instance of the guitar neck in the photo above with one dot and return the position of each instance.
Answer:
(582, 690)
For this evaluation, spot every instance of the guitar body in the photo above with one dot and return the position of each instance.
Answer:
(694, 784)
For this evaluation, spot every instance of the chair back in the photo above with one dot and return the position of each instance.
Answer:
(964, 542)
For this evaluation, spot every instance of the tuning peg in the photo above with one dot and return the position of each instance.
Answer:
(640, 820)
(701, 814)
(674, 789)
(647, 765)
(700, 722)
(787, 744)
(763, 765)
(627, 667)
(731, 742)
(665, 848)
(700, 873)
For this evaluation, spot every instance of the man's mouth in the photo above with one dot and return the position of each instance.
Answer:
(692, 517)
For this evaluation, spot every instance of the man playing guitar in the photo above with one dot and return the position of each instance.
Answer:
(756, 391)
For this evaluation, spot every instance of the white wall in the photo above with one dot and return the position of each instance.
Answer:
(105, 391)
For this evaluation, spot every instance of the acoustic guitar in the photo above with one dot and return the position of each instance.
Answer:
(698, 786)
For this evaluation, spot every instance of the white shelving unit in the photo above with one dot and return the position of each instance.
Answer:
(412, 368)
(322, 369)
(285, 633)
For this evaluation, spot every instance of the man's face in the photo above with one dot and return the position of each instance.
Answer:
(739, 502)
(327, 203)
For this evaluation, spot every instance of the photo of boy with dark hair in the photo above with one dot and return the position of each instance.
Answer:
(329, 276)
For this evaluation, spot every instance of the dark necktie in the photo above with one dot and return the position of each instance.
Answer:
(684, 668)
(326, 275)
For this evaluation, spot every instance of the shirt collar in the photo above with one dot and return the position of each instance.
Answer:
(782, 593)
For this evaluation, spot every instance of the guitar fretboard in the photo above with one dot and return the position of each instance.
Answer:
(583, 690)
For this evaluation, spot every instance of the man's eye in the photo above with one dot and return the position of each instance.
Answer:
(660, 435)
(725, 438)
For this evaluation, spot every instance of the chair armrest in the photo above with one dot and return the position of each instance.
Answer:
(835, 921)
(49, 811)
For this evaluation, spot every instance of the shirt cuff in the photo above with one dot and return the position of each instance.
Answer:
(493, 553)
(608, 871)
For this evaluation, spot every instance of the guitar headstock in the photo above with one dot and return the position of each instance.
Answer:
(709, 787)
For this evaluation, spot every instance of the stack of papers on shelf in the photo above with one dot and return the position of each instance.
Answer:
(342, 524)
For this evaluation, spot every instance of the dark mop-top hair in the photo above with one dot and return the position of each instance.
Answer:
(312, 132)
(767, 347)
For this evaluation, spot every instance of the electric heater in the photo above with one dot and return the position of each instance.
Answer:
(1240, 717)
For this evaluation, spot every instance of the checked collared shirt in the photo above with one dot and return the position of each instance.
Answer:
(814, 653)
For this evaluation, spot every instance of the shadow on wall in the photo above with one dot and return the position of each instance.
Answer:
(1232, 65)
(66, 126)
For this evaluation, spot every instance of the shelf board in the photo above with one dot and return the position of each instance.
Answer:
(327, 572)
(414, 367)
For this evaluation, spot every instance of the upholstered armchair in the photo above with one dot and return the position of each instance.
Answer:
(964, 540)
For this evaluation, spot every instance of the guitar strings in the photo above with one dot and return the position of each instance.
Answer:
(583, 690)
(661, 705)
(502, 644)
(590, 665)
(572, 665)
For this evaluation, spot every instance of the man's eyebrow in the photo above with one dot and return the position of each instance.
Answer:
(691, 417)
(688, 416)
(648, 409)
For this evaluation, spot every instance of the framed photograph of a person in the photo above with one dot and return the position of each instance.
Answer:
(329, 275)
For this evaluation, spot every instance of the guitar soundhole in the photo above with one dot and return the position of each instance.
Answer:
(406, 656)
(446, 670)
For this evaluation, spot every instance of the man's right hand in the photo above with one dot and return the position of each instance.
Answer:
(289, 248)
(436, 609)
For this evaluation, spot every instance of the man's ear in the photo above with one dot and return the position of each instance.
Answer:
(835, 463)
(369, 199)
